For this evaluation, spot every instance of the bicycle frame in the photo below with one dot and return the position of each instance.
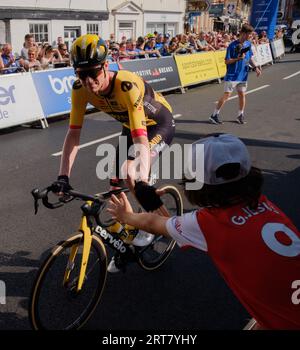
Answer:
(87, 242)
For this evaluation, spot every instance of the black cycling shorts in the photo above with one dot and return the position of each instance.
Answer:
(159, 136)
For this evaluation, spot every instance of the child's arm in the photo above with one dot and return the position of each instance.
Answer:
(121, 210)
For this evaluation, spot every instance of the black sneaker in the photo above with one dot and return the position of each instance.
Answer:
(241, 119)
(214, 119)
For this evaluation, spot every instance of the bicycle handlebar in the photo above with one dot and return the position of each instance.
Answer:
(68, 197)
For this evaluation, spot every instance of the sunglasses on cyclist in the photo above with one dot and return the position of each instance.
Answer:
(92, 73)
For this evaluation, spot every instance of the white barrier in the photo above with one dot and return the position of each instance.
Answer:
(19, 102)
(262, 54)
(278, 48)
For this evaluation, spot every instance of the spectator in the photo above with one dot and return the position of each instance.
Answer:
(9, 60)
(140, 47)
(193, 42)
(184, 46)
(59, 41)
(115, 52)
(253, 244)
(123, 39)
(263, 39)
(238, 57)
(159, 42)
(173, 47)
(123, 55)
(130, 48)
(63, 50)
(112, 39)
(165, 48)
(50, 57)
(29, 42)
(255, 39)
(150, 48)
(32, 63)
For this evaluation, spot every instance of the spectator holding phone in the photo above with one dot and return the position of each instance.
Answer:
(50, 56)
(238, 57)
(9, 60)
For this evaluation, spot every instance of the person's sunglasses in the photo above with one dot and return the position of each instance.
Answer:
(92, 73)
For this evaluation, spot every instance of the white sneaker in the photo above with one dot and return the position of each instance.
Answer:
(112, 268)
(142, 239)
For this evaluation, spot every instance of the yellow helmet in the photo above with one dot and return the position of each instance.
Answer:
(88, 50)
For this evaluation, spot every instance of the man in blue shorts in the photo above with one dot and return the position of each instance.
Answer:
(238, 57)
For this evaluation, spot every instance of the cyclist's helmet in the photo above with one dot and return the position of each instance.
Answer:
(88, 50)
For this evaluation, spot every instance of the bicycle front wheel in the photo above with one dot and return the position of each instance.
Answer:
(57, 305)
(154, 256)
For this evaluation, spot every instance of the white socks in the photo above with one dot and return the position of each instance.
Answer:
(216, 111)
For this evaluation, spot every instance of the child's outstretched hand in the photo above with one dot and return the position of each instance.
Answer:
(119, 207)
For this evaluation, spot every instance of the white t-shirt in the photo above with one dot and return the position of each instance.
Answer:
(185, 230)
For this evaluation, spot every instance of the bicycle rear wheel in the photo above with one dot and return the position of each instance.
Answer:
(54, 305)
(153, 256)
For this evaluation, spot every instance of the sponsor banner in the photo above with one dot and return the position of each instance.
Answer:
(255, 55)
(220, 60)
(264, 16)
(54, 89)
(19, 102)
(262, 54)
(278, 48)
(196, 68)
(160, 73)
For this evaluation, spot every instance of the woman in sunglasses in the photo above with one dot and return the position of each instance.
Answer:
(147, 119)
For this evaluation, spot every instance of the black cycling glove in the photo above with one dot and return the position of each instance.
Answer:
(62, 184)
(147, 196)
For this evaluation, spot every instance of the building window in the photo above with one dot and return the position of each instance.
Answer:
(92, 28)
(40, 31)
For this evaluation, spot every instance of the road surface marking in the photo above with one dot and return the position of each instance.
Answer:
(85, 145)
(291, 76)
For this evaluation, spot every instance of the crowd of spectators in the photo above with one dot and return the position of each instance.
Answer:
(158, 45)
(37, 56)
(33, 56)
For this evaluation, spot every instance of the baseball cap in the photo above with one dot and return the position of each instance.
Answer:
(226, 159)
(167, 35)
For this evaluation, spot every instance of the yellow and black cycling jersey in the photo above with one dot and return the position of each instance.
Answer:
(130, 100)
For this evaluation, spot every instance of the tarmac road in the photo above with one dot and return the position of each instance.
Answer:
(187, 293)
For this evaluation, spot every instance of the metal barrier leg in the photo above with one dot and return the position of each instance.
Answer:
(42, 124)
(46, 122)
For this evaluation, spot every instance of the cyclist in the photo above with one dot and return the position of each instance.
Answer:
(254, 245)
(145, 115)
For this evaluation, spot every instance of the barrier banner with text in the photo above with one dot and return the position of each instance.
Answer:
(220, 60)
(54, 89)
(278, 48)
(19, 102)
(196, 68)
(160, 73)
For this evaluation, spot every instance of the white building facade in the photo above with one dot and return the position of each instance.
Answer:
(139, 17)
(49, 19)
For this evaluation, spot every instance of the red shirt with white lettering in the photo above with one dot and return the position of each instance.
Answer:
(256, 251)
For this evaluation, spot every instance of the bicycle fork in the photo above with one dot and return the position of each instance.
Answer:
(87, 242)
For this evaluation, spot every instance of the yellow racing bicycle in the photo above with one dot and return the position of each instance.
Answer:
(70, 282)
